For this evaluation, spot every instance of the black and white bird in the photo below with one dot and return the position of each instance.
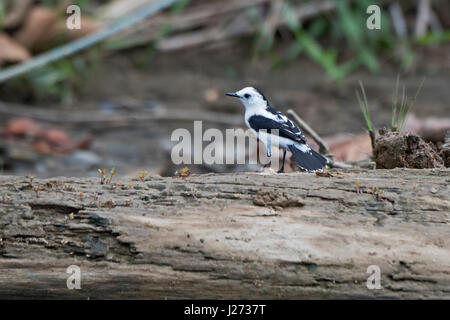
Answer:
(261, 118)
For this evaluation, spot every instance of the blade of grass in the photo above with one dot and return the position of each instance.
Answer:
(366, 104)
(394, 105)
(408, 107)
(364, 112)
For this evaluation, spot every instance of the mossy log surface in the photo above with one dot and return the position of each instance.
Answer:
(244, 236)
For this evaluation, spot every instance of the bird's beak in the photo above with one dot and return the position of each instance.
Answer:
(233, 94)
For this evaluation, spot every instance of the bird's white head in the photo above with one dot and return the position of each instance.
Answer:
(250, 97)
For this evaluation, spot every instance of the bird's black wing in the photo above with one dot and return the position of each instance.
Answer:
(286, 128)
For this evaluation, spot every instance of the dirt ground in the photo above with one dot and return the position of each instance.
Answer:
(195, 82)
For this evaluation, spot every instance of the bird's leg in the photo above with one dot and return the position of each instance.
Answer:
(269, 152)
(269, 146)
(282, 166)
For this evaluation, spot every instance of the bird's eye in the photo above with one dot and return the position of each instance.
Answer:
(246, 96)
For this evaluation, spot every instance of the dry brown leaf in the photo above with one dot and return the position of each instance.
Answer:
(44, 140)
(42, 146)
(350, 147)
(22, 127)
(36, 28)
(11, 51)
(59, 29)
(43, 25)
(58, 137)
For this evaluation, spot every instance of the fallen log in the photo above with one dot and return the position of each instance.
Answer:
(248, 235)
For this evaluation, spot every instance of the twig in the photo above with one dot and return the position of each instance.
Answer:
(211, 33)
(435, 24)
(192, 18)
(423, 17)
(323, 148)
(116, 9)
(84, 42)
(97, 119)
(398, 20)
(339, 165)
(270, 25)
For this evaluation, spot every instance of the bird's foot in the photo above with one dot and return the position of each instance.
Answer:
(267, 164)
(281, 170)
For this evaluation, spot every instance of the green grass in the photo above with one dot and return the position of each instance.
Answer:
(306, 42)
(401, 111)
(401, 107)
(364, 105)
(348, 27)
(2, 13)
(350, 45)
(59, 81)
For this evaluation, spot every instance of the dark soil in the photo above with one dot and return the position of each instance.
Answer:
(404, 150)
(445, 150)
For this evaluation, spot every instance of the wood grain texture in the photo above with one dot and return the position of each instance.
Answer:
(247, 236)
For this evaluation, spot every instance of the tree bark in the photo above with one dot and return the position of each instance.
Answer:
(243, 236)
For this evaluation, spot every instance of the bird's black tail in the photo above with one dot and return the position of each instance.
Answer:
(307, 159)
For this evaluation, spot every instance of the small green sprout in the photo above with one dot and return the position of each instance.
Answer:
(102, 175)
(142, 175)
(378, 194)
(5, 198)
(37, 189)
(116, 186)
(183, 173)
(400, 112)
(112, 173)
(30, 181)
(357, 186)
